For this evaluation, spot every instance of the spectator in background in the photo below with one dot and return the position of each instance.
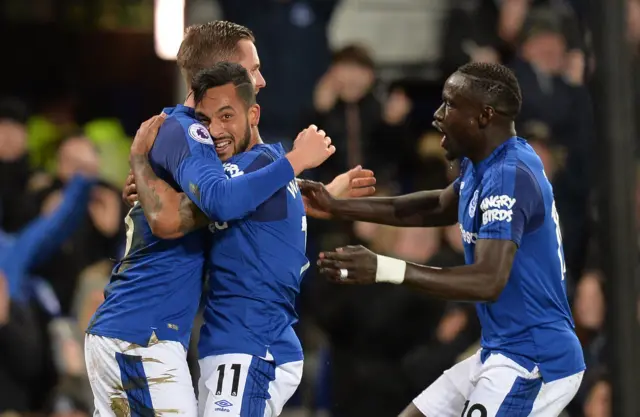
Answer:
(20, 351)
(345, 106)
(598, 399)
(554, 95)
(99, 235)
(470, 34)
(291, 34)
(24, 339)
(15, 208)
(589, 312)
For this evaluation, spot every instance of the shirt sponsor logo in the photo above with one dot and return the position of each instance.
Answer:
(232, 170)
(497, 209)
(468, 237)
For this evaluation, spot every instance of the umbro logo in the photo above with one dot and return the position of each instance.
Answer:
(223, 404)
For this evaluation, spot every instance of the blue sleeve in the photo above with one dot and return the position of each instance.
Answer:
(509, 204)
(43, 236)
(192, 162)
(275, 208)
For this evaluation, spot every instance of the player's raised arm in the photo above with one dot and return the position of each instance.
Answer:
(422, 209)
(509, 206)
(202, 178)
(171, 214)
(40, 238)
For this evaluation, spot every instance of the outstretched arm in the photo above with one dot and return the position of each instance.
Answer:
(421, 209)
(509, 204)
(193, 163)
(484, 280)
(40, 238)
(171, 214)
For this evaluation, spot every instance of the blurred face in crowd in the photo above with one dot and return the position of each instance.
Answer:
(77, 154)
(228, 119)
(248, 58)
(458, 118)
(13, 140)
(589, 304)
(546, 51)
(354, 80)
(598, 403)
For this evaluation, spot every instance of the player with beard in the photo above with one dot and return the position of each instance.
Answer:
(136, 342)
(530, 362)
(250, 357)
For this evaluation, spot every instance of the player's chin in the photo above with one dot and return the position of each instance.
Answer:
(451, 155)
(225, 155)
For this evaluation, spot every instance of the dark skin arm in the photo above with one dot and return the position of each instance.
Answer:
(422, 209)
(484, 280)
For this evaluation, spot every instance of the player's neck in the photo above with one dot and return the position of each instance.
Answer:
(189, 101)
(255, 138)
(494, 137)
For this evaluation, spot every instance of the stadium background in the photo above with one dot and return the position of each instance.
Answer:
(79, 76)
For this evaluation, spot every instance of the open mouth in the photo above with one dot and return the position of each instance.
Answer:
(439, 129)
(223, 145)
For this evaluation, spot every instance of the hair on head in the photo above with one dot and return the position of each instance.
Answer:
(209, 43)
(496, 84)
(224, 73)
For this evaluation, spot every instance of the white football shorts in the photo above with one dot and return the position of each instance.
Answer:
(131, 380)
(240, 385)
(499, 387)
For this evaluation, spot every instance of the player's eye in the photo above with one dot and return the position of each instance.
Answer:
(227, 116)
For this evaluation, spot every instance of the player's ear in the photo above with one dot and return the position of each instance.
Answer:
(486, 115)
(254, 115)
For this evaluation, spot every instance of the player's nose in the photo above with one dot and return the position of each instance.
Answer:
(216, 130)
(260, 81)
(439, 114)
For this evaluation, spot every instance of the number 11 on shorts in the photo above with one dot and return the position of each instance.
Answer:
(236, 379)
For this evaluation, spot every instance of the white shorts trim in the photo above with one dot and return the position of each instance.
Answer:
(245, 386)
(126, 377)
(498, 388)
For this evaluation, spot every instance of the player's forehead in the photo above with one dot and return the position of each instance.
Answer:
(458, 88)
(219, 98)
(248, 55)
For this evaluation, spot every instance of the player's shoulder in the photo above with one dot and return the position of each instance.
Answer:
(182, 124)
(517, 167)
(257, 157)
(515, 158)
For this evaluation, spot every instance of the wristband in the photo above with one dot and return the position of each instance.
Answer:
(390, 270)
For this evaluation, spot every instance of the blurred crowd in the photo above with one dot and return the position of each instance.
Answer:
(369, 350)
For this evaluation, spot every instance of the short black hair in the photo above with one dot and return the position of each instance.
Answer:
(224, 73)
(496, 84)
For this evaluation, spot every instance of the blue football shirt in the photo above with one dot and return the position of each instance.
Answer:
(508, 197)
(155, 289)
(256, 266)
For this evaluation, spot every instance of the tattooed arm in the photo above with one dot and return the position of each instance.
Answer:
(170, 214)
